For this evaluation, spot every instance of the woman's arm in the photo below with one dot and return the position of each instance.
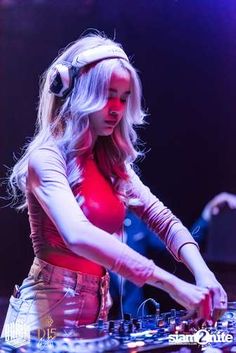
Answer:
(158, 217)
(192, 258)
(47, 180)
(178, 241)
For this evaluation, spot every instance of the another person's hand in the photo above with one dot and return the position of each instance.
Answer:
(215, 205)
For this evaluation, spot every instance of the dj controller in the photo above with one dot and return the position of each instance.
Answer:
(163, 332)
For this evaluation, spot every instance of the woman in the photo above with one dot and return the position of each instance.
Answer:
(77, 179)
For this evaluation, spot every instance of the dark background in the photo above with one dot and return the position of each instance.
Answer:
(185, 51)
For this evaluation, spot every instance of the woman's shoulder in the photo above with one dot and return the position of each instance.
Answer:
(133, 171)
(45, 154)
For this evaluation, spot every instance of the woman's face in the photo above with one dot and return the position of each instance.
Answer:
(103, 122)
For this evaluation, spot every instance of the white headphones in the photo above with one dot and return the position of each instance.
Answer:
(63, 75)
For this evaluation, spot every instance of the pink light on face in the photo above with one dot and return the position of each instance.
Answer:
(103, 122)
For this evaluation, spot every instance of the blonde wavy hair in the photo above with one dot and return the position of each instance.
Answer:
(66, 121)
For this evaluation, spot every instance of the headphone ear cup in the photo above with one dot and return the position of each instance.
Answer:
(62, 80)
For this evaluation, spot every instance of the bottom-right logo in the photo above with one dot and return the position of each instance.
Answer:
(202, 337)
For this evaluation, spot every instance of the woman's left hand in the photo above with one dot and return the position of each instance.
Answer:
(218, 295)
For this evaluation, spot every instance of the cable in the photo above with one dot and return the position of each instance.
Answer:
(142, 306)
(121, 287)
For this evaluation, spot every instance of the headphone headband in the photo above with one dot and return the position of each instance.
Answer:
(99, 53)
(63, 76)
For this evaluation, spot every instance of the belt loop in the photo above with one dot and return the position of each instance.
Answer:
(48, 271)
(38, 267)
(36, 271)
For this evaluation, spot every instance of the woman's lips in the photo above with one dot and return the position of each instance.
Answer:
(110, 122)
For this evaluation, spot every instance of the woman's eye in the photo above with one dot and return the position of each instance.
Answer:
(123, 100)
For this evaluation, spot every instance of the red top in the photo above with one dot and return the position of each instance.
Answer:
(100, 204)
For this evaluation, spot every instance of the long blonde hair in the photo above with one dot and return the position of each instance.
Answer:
(66, 121)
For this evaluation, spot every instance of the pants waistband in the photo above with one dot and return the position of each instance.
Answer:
(48, 272)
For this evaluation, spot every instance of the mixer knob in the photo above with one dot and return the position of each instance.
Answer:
(184, 326)
(171, 320)
(158, 309)
(219, 324)
(136, 324)
(111, 326)
(127, 317)
(100, 323)
(130, 327)
(166, 315)
(172, 327)
(121, 329)
(160, 323)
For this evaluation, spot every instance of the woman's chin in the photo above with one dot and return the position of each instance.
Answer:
(107, 132)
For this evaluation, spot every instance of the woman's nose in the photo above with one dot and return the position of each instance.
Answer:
(113, 113)
(116, 106)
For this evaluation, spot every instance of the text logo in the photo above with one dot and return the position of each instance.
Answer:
(201, 337)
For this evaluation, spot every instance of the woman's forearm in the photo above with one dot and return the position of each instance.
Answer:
(205, 278)
(191, 297)
(191, 257)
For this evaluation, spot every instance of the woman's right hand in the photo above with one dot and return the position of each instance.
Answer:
(195, 299)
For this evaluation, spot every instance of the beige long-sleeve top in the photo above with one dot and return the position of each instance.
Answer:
(57, 218)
